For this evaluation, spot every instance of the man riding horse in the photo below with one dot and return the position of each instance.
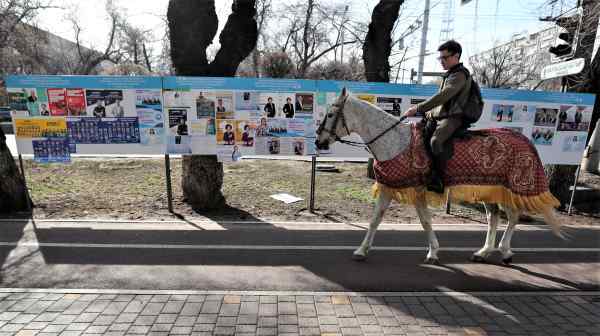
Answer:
(444, 113)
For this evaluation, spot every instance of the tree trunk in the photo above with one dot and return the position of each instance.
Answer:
(378, 46)
(192, 27)
(378, 43)
(560, 178)
(13, 194)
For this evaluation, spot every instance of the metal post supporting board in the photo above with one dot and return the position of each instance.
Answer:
(168, 177)
(29, 201)
(313, 173)
(574, 189)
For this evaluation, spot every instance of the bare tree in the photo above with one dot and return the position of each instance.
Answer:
(277, 65)
(378, 43)
(192, 27)
(308, 32)
(502, 67)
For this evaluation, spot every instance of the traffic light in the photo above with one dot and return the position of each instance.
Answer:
(568, 37)
(565, 47)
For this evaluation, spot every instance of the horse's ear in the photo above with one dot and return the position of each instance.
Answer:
(344, 92)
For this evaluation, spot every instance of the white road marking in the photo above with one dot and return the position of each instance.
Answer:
(279, 247)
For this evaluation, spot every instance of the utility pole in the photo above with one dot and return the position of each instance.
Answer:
(342, 34)
(423, 42)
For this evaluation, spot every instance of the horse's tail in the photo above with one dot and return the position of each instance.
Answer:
(551, 219)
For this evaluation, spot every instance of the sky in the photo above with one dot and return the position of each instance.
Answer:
(497, 21)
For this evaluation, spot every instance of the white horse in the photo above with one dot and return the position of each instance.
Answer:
(387, 138)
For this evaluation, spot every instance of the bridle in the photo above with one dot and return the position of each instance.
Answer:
(340, 114)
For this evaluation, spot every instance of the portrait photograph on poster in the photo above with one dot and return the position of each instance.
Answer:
(574, 118)
(542, 136)
(503, 113)
(102, 103)
(226, 132)
(246, 105)
(224, 105)
(205, 105)
(574, 143)
(545, 116)
(391, 105)
(304, 105)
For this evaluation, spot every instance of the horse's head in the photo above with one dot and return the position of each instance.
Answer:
(333, 126)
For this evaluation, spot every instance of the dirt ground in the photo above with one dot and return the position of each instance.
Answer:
(135, 189)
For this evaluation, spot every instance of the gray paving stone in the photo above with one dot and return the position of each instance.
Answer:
(21, 305)
(229, 309)
(207, 318)
(115, 307)
(247, 319)
(7, 316)
(97, 306)
(211, 307)
(55, 328)
(114, 333)
(153, 308)
(226, 321)
(173, 307)
(36, 325)
(290, 319)
(77, 326)
(206, 327)
(388, 321)
(38, 307)
(351, 331)
(96, 329)
(191, 308)
(46, 317)
(267, 309)
(267, 299)
(224, 331)
(264, 331)
(309, 331)
(214, 297)
(245, 328)
(181, 330)
(306, 309)
(160, 298)
(372, 329)
(138, 330)
(5, 305)
(249, 308)
(343, 310)
(362, 308)
(330, 329)
(126, 318)
(267, 321)
(161, 327)
(166, 319)
(196, 298)
(65, 319)
(145, 320)
(11, 327)
(324, 309)
(327, 320)
(77, 307)
(348, 322)
(135, 306)
(119, 326)
(124, 298)
(84, 297)
(23, 318)
(72, 333)
(185, 321)
(286, 307)
(86, 317)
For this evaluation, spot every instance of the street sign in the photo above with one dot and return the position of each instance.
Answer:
(563, 68)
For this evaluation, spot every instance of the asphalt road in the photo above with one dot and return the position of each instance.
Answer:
(286, 257)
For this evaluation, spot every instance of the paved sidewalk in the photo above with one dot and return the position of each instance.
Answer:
(105, 312)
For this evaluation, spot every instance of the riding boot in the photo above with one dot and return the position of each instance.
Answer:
(436, 179)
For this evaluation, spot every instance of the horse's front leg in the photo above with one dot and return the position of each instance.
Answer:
(504, 246)
(383, 202)
(425, 218)
(492, 214)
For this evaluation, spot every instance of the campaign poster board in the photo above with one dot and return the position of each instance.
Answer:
(95, 114)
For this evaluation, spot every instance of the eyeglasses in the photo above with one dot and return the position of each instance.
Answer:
(445, 57)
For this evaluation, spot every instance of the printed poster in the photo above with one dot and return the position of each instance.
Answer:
(149, 111)
(75, 102)
(40, 127)
(57, 102)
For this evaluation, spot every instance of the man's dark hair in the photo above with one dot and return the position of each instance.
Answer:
(452, 47)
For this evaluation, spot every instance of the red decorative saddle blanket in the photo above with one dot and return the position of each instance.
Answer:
(492, 157)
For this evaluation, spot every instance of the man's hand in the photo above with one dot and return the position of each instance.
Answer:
(411, 112)
(429, 115)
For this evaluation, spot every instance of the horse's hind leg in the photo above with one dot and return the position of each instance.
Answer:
(504, 247)
(492, 212)
(383, 202)
(425, 218)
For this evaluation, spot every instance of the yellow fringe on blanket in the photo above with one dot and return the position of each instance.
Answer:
(472, 193)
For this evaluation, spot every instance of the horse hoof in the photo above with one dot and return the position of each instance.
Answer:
(359, 257)
(432, 261)
(478, 259)
(507, 261)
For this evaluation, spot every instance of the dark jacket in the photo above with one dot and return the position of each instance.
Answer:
(452, 95)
